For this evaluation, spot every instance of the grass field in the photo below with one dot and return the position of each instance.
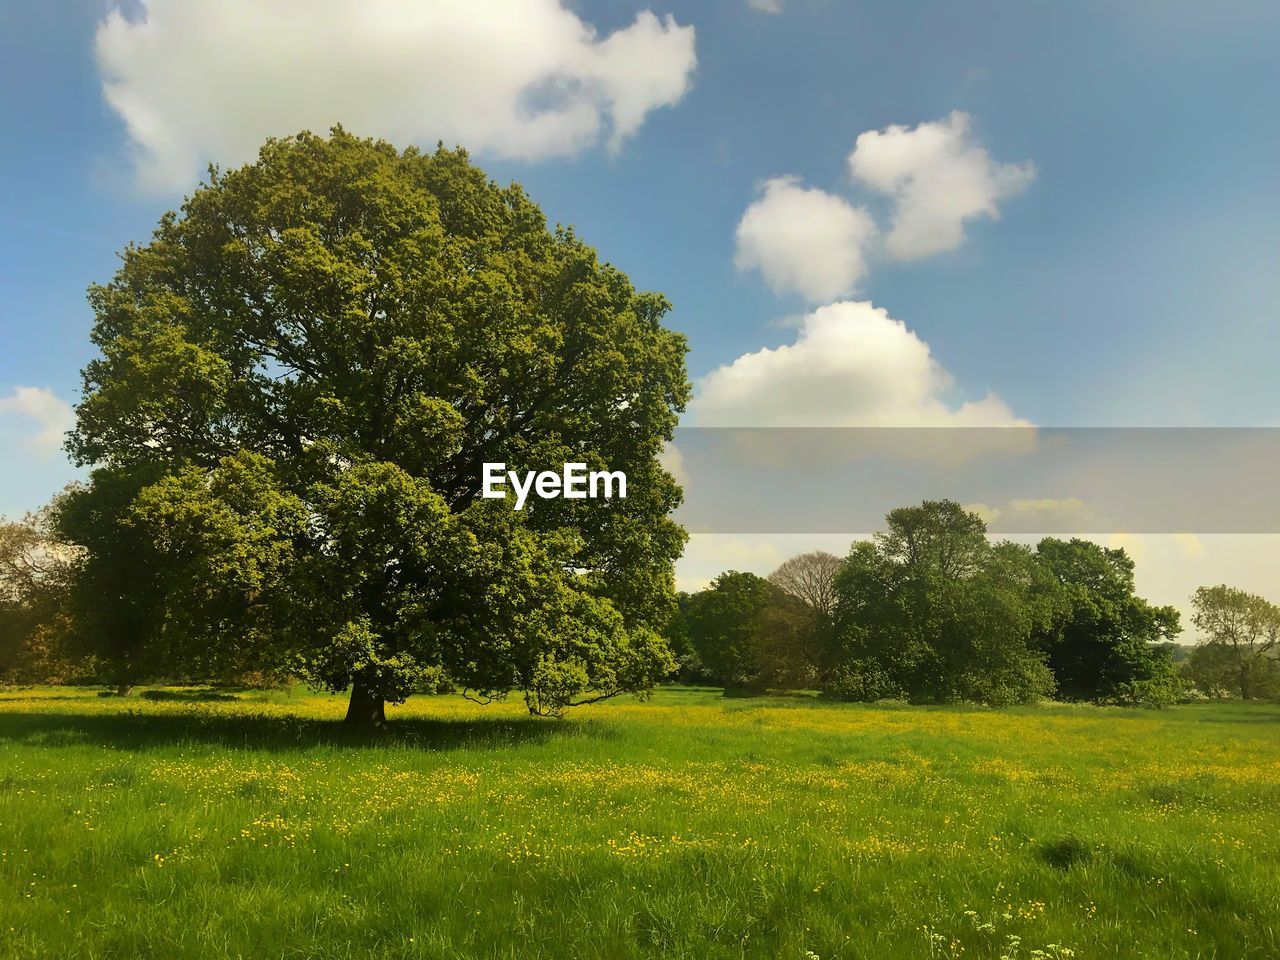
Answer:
(179, 824)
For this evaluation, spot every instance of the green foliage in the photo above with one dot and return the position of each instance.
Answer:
(939, 538)
(864, 681)
(747, 633)
(116, 603)
(1209, 669)
(930, 610)
(1103, 641)
(35, 577)
(689, 666)
(788, 645)
(1162, 690)
(1213, 669)
(300, 377)
(723, 623)
(1241, 634)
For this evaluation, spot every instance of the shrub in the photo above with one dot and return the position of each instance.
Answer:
(1154, 692)
(862, 680)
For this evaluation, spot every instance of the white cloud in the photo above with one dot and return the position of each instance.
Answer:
(525, 79)
(766, 6)
(1050, 513)
(851, 365)
(938, 177)
(804, 240)
(51, 417)
(672, 460)
(986, 513)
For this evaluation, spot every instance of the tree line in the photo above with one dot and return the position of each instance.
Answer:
(930, 610)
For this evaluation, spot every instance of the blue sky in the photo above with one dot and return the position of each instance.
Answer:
(1135, 280)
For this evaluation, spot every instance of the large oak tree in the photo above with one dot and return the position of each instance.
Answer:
(300, 377)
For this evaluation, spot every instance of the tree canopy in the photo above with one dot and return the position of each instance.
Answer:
(1104, 638)
(931, 611)
(748, 632)
(299, 379)
(1239, 640)
(811, 579)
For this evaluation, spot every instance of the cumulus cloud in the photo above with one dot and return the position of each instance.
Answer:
(985, 512)
(938, 177)
(525, 79)
(851, 365)
(1037, 515)
(42, 409)
(804, 240)
(672, 460)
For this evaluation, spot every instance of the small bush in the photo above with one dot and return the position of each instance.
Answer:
(864, 681)
(1155, 692)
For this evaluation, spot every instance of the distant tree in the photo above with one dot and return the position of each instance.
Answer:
(1104, 641)
(811, 579)
(1242, 630)
(21, 596)
(786, 650)
(35, 575)
(982, 626)
(929, 610)
(1179, 653)
(744, 629)
(300, 378)
(723, 624)
(1211, 670)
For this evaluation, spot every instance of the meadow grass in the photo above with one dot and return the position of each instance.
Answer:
(194, 824)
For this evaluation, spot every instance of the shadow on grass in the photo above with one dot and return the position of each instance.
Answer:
(1232, 712)
(188, 696)
(752, 693)
(256, 731)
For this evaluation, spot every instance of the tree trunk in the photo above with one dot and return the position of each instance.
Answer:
(365, 709)
(123, 689)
